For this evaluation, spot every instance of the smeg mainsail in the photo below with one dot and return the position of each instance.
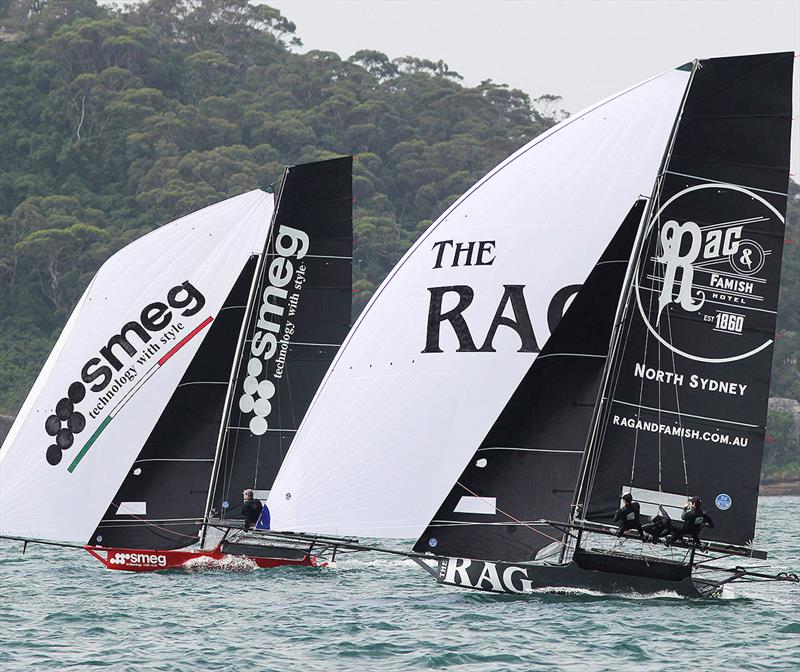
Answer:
(181, 376)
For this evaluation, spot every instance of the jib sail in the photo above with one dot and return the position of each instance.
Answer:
(300, 313)
(684, 409)
(126, 347)
(526, 467)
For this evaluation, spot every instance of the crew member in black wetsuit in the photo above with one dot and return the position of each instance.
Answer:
(694, 520)
(251, 509)
(659, 526)
(628, 517)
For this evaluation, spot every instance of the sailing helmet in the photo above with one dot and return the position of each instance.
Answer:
(696, 500)
(248, 493)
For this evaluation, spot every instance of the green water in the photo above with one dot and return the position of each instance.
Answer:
(61, 609)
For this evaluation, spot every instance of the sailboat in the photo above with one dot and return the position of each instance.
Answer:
(180, 379)
(594, 317)
(656, 381)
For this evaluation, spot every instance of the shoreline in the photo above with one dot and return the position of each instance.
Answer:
(780, 488)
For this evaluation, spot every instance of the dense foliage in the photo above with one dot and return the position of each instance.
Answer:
(115, 121)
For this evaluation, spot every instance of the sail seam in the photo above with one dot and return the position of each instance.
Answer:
(531, 450)
(175, 459)
(678, 413)
(733, 184)
(571, 354)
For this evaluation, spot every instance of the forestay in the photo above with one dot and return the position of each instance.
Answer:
(116, 366)
(448, 336)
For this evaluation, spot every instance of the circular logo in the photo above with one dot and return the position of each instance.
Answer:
(723, 502)
(256, 397)
(65, 414)
(700, 263)
(433, 542)
(748, 258)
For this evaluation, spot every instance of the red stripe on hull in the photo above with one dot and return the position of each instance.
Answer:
(143, 560)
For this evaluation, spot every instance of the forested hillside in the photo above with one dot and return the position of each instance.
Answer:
(114, 122)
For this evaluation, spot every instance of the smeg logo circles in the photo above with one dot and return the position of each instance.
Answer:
(256, 397)
(65, 423)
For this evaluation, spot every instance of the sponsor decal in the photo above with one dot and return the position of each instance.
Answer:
(491, 576)
(715, 271)
(120, 369)
(676, 429)
(692, 380)
(512, 308)
(137, 559)
(723, 501)
(273, 329)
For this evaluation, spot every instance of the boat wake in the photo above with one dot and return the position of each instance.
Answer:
(227, 563)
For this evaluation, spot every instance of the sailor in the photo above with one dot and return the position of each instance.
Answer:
(659, 526)
(628, 517)
(251, 509)
(694, 520)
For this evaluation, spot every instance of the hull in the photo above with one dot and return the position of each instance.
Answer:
(144, 560)
(600, 574)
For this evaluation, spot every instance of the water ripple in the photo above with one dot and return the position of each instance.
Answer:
(63, 611)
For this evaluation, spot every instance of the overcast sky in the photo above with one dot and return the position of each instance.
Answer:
(582, 50)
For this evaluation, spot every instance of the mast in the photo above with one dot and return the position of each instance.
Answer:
(235, 365)
(601, 405)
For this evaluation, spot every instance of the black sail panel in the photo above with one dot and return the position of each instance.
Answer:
(301, 314)
(165, 491)
(687, 406)
(526, 467)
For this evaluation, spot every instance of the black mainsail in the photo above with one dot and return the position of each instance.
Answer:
(301, 313)
(685, 408)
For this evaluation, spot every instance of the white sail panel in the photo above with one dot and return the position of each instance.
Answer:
(117, 363)
(449, 335)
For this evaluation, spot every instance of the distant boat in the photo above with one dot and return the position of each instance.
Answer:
(180, 379)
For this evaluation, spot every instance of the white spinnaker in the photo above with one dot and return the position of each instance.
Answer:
(208, 249)
(391, 427)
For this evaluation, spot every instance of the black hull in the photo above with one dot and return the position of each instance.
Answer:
(600, 574)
